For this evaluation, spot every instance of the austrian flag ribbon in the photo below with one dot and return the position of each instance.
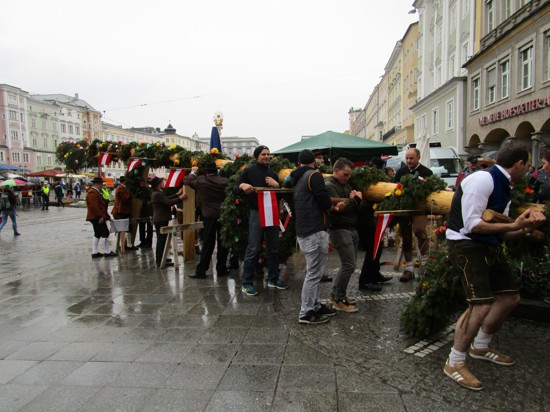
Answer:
(384, 220)
(133, 164)
(104, 159)
(175, 178)
(268, 208)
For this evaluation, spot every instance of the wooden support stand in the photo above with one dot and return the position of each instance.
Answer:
(174, 230)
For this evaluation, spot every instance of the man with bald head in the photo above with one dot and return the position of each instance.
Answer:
(415, 224)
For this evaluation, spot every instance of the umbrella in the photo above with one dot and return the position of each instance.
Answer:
(215, 139)
(336, 145)
(46, 173)
(13, 182)
(4, 166)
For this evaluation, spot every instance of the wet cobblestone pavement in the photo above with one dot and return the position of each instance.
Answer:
(117, 334)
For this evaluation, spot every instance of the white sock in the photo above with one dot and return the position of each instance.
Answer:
(482, 340)
(106, 245)
(410, 266)
(456, 356)
(95, 242)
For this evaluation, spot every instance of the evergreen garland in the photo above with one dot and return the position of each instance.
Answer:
(234, 219)
(411, 191)
(365, 176)
(438, 295)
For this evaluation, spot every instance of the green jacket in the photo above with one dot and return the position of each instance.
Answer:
(346, 218)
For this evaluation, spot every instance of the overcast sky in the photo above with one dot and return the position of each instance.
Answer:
(277, 70)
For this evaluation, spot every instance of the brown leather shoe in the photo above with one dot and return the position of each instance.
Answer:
(407, 276)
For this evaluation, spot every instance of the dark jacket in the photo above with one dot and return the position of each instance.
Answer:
(346, 218)
(12, 198)
(311, 201)
(162, 205)
(421, 170)
(254, 175)
(211, 190)
(97, 208)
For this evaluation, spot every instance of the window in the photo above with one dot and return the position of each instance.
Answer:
(450, 115)
(1, 156)
(14, 135)
(16, 157)
(77, 129)
(70, 129)
(451, 66)
(45, 142)
(49, 160)
(491, 82)
(546, 52)
(464, 53)
(526, 67)
(475, 94)
(63, 128)
(504, 78)
(38, 160)
(13, 115)
(508, 8)
(437, 79)
(33, 122)
(452, 18)
(22, 117)
(490, 13)
(54, 127)
(26, 157)
(435, 121)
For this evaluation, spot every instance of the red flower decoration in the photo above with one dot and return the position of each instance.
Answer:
(399, 186)
(528, 190)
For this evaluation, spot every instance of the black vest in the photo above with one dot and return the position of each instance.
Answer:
(310, 218)
(499, 199)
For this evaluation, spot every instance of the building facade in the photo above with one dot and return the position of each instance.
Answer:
(236, 146)
(446, 38)
(509, 78)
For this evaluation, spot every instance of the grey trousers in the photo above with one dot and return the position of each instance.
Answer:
(346, 243)
(315, 249)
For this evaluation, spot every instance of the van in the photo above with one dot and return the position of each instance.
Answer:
(444, 162)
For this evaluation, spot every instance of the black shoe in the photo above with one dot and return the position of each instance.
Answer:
(326, 310)
(110, 254)
(132, 248)
(326, 278)
(198, 276)
(16, 234)
(370, 287)
(97, 255)
(382, 279)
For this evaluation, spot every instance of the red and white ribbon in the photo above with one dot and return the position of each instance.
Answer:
(175, 178)
(384, 220)
(268, 208)
(104, 159)
(133, 164)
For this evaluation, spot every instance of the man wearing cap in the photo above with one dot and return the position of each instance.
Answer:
(471, 167)
(210, 189)
(162, 213)
(259, 175)
(311, 206)
(97, 215)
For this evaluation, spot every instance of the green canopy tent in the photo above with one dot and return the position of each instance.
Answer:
(335, 145)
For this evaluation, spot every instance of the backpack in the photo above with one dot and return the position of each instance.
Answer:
(5, 203)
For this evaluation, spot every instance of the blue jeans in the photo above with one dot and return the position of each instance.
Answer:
(11, 214)
(346, 243)
(315, 248)
(253, 248)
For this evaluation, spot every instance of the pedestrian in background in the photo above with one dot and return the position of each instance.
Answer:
(46, 197)
(8, 202)
(58, 189)
(122, 209)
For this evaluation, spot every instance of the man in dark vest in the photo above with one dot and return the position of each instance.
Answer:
(311, 205)
(475, 250)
